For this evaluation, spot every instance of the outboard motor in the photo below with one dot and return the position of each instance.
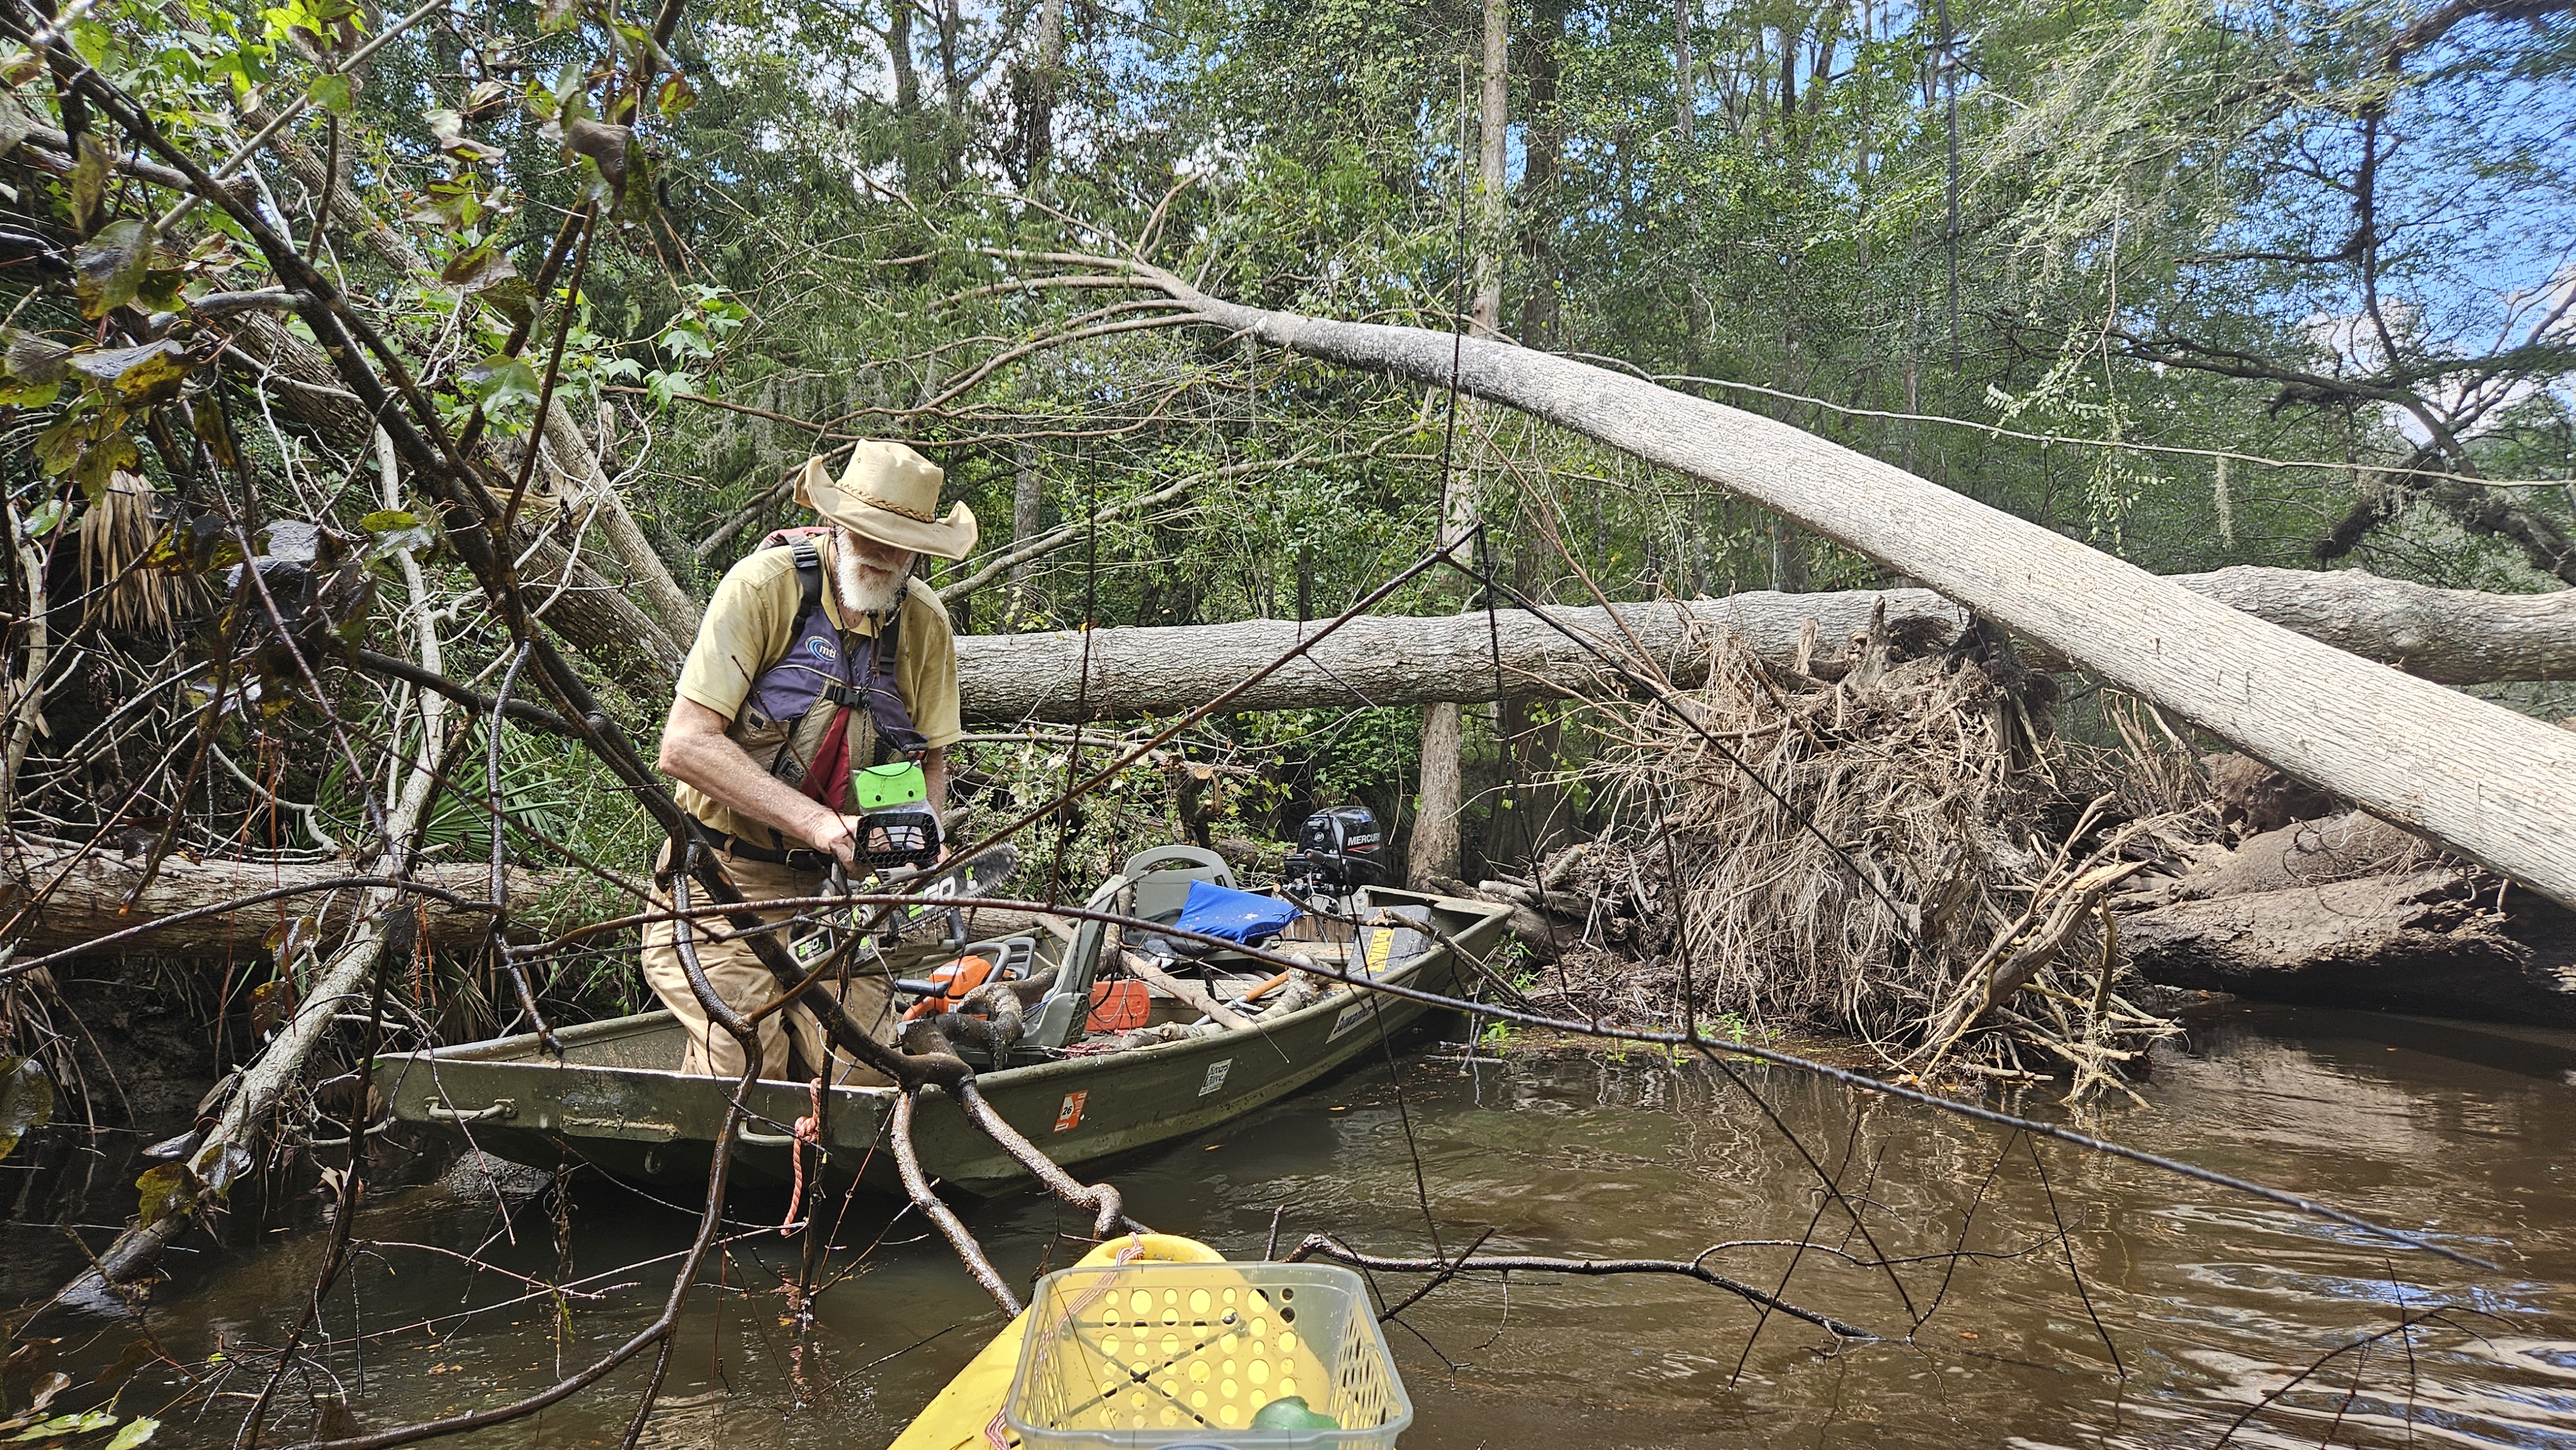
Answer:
(1338, 850)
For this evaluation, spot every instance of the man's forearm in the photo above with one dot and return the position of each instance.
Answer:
(716, 765)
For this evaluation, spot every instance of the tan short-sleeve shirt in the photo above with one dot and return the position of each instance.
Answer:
(749, 625)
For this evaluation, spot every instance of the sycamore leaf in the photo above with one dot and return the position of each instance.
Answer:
(478, 267)
(142, 375)
(109, 268)
(164, 1190)
(26, 1100)
(333, 93)
(102, 461)
(35, 359)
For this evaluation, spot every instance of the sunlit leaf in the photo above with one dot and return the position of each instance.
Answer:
(393, 531)
(89, 178)
(26, 1100)
(109, 267)
(503, 382)
(454, 202)
(271, 1003)
(333, 93)
(136, 1431)
(674, 95)
(143, 375)
(41, 522)
(165, 1189)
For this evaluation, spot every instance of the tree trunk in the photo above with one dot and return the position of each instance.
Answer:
(2494, 785)
(1685, 73)
(1431, 852)
(2480, 779)
(1034, 89)
(88, 905)
(1543, 158)
(2429, 940)
(2454, 636)
(1493, 210)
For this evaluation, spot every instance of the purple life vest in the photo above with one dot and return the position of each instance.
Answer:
(789, 712)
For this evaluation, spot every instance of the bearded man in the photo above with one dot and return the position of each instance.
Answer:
(815, 660)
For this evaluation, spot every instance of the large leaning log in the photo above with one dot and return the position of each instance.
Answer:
(2432, 940)
(2455, 636)
(2494, 785)
(89, 904)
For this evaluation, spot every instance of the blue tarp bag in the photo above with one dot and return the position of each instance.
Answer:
(1237, 916)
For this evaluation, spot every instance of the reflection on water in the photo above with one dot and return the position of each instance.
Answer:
(2208, 1302)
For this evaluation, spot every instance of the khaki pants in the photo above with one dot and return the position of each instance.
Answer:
(737, 975)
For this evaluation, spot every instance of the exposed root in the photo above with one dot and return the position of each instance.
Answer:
(1882, 876)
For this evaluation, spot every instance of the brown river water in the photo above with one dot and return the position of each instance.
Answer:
(2208, 1300)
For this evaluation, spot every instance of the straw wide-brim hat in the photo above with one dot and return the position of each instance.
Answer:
(890, 494)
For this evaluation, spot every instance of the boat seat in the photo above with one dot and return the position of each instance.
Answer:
(1058, 1017)
(1163, 875)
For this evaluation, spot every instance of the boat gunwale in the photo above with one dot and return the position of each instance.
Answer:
(527, 1049)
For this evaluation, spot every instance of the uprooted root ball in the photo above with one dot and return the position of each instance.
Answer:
(1855, 846)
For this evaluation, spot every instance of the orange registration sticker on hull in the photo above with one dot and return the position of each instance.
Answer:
(1069, 1116)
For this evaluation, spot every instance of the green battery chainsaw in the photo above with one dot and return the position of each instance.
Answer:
(897, 826)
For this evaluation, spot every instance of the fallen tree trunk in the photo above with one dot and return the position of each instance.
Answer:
(2480, 779)
(2431, 941)
(89, 904)
(2455, 636)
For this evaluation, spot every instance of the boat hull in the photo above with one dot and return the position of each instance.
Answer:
(614, 1100)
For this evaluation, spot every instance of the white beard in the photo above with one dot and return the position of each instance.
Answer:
(857, 594)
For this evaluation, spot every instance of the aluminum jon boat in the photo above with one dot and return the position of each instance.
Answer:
(615, 1100)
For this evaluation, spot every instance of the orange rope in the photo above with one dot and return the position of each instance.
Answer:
(808, 1130)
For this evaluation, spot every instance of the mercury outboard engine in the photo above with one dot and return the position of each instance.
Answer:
(1339, 850)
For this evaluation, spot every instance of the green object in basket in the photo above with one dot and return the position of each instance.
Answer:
(889, 787)
(1289, 1412)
